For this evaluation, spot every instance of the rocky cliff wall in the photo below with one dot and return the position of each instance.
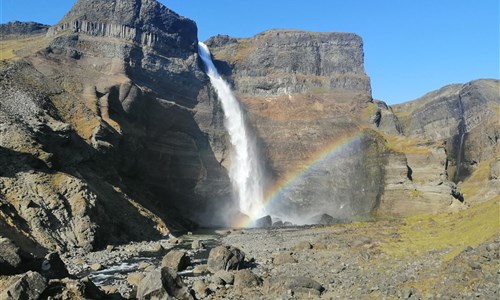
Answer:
(116, 138)
(463, 115)
(284, 62)
(302, 92)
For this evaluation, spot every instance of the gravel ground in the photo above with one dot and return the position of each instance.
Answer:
(347, 261)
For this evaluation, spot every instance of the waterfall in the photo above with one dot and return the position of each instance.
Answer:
(245, 170)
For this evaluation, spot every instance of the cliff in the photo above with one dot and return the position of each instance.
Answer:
(107, 130)
(111, 132)
(303, 92)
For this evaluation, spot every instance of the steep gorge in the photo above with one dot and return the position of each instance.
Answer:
(111, 132)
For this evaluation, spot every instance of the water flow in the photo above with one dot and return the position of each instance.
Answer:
(245, 169)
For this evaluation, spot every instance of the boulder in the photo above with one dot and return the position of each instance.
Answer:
(53, 267)
(177, 260)
(197, 244)
(246, 278)
(200, 289)
(74, 289)
(284, 258)
(223, 277)
(162, 283)
(135, 278)
(10, 258)
(200, 269)
(278, 223)
(296, 284)
(225, 258)
(27, 286)
(265, 221)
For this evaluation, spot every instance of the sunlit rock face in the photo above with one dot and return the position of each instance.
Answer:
(303, 93)
(463, 115)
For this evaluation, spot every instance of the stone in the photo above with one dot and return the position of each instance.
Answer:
(246, 279)
(263, 222)
(135, 278)
(197, 244)
(53, 267)
(200, 289)
(284, 258)
(200, 270)
(225, 258)
(96, 267)
(278, 223)
(223, 277)
(300, 284)
(10, 259)
(162, 283)
(177, 260)
(75, 289)
(28, 286)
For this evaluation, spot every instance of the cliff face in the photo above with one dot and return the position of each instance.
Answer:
(463, 115)
(107, 129)
(302, 92)
(283, 62)
(110, 131)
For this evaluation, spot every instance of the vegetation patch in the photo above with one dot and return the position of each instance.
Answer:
(449, 232)
(17, 48)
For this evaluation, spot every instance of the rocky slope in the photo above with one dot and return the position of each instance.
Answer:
(111, 132)
(106, 137)
(18, 29)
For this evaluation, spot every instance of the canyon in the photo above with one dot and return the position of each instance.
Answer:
(111, 132)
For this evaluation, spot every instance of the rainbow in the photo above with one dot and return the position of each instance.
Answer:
(324, 155)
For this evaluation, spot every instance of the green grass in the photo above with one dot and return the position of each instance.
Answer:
(451, 232)
(17, 48)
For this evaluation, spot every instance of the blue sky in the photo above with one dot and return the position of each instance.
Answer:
(411, 46)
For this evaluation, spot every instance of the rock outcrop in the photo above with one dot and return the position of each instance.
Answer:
(107, 137)
(18, 29)
(463, 115)
(302, 91)
(284, 62)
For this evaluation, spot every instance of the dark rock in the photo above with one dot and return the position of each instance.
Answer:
(74, 288)
(297, 284)
(53, 267)
(27, 286)
(246, 279)
(162, 283)
(265, 221)
(177, 260)
(146, 22)
(10, 259)
(278, 223)
(225, 258)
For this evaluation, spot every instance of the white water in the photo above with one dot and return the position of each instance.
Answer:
(245, 169)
